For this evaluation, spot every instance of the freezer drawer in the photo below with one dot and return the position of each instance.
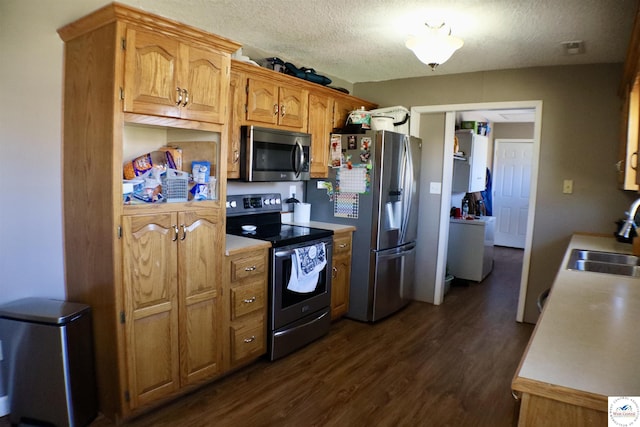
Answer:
(393, 279)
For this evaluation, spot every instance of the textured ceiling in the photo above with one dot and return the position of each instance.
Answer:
(360, 41)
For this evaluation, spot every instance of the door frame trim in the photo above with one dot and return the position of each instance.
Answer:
(445, 200)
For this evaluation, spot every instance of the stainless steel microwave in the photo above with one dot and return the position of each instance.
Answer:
(274, 154)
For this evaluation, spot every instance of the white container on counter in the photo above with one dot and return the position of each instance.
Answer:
(302, 212)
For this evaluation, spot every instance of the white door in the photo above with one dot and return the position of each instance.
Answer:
(511, 188)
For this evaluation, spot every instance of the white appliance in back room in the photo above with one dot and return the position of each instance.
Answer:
(375, 190)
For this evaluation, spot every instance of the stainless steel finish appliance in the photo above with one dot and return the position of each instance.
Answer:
(274, 154)
(384, 243)
(48, 347)
(295, 318)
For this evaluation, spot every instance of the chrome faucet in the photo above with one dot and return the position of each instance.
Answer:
(629, 223)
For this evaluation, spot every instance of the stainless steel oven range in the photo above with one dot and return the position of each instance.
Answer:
(299, 271)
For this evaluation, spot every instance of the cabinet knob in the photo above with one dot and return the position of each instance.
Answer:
(335, 272)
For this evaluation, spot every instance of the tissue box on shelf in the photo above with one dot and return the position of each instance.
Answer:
(201, 170)
(129, 188)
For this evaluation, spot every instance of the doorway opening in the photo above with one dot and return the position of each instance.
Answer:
(450, 111)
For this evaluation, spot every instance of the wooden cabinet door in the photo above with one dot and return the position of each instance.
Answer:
(205, 77)
(200, 278)
(235, 110)
(262, 101)
(341, 275)
(341, 110)
(340, 286)
(293, 107)
(151, 74)
(151, 306)
(320, 126)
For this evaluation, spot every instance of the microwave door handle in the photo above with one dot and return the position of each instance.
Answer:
(298, 154)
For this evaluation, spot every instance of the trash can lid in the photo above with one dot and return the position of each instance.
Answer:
(42, 310)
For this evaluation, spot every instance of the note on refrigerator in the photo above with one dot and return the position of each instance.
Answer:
(353, 180)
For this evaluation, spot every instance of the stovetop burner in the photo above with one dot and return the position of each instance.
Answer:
(263, 211)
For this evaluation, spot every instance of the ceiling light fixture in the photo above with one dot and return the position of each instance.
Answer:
(435, 45)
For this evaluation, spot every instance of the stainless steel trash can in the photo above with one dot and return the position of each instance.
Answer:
(48, 348)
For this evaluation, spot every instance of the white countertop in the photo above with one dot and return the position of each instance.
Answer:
(236, 244)
(587, 338)
(481, 220)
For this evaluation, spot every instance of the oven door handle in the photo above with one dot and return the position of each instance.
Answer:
(281, 254)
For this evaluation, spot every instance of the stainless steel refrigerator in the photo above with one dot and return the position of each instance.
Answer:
(375, 189)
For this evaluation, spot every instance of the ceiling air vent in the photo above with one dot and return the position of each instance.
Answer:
(573, 48)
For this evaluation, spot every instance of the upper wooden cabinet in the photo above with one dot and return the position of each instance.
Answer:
(628, 178)
(235, 112)
(320, 126)
(276, 103)
(263, 97)
(166, 77)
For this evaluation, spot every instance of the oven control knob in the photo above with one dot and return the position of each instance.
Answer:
(266, 201)
(277, 201)
(233, 204)
(228, 205)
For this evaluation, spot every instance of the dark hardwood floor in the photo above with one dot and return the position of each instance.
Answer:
(447, 365)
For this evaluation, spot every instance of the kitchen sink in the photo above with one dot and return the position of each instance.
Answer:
(604, 262)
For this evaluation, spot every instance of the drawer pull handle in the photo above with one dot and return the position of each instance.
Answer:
(186, 97)
(515, 395)
(275, 109)
(251, 339)
(179, 100)
(342, 245)
(335, 272)
(249, 300)
(252, 268)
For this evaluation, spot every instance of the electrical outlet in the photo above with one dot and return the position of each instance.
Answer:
(567, 186)
(292, 191)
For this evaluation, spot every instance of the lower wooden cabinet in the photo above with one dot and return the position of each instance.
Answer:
(246, 301)
(341, 275)
(171, 293)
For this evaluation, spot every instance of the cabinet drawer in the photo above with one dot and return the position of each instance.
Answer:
(248, 266)
(247, 340)
(247, 299)
(341, 244)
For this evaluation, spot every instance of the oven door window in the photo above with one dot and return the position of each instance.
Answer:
(289, 297)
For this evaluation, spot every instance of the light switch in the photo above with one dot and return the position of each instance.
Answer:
(435, 187)
(567, 186)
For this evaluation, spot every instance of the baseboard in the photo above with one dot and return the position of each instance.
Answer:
(4, 405)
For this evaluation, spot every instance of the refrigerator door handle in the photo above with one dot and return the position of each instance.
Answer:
(396, 252)
(408, 187)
